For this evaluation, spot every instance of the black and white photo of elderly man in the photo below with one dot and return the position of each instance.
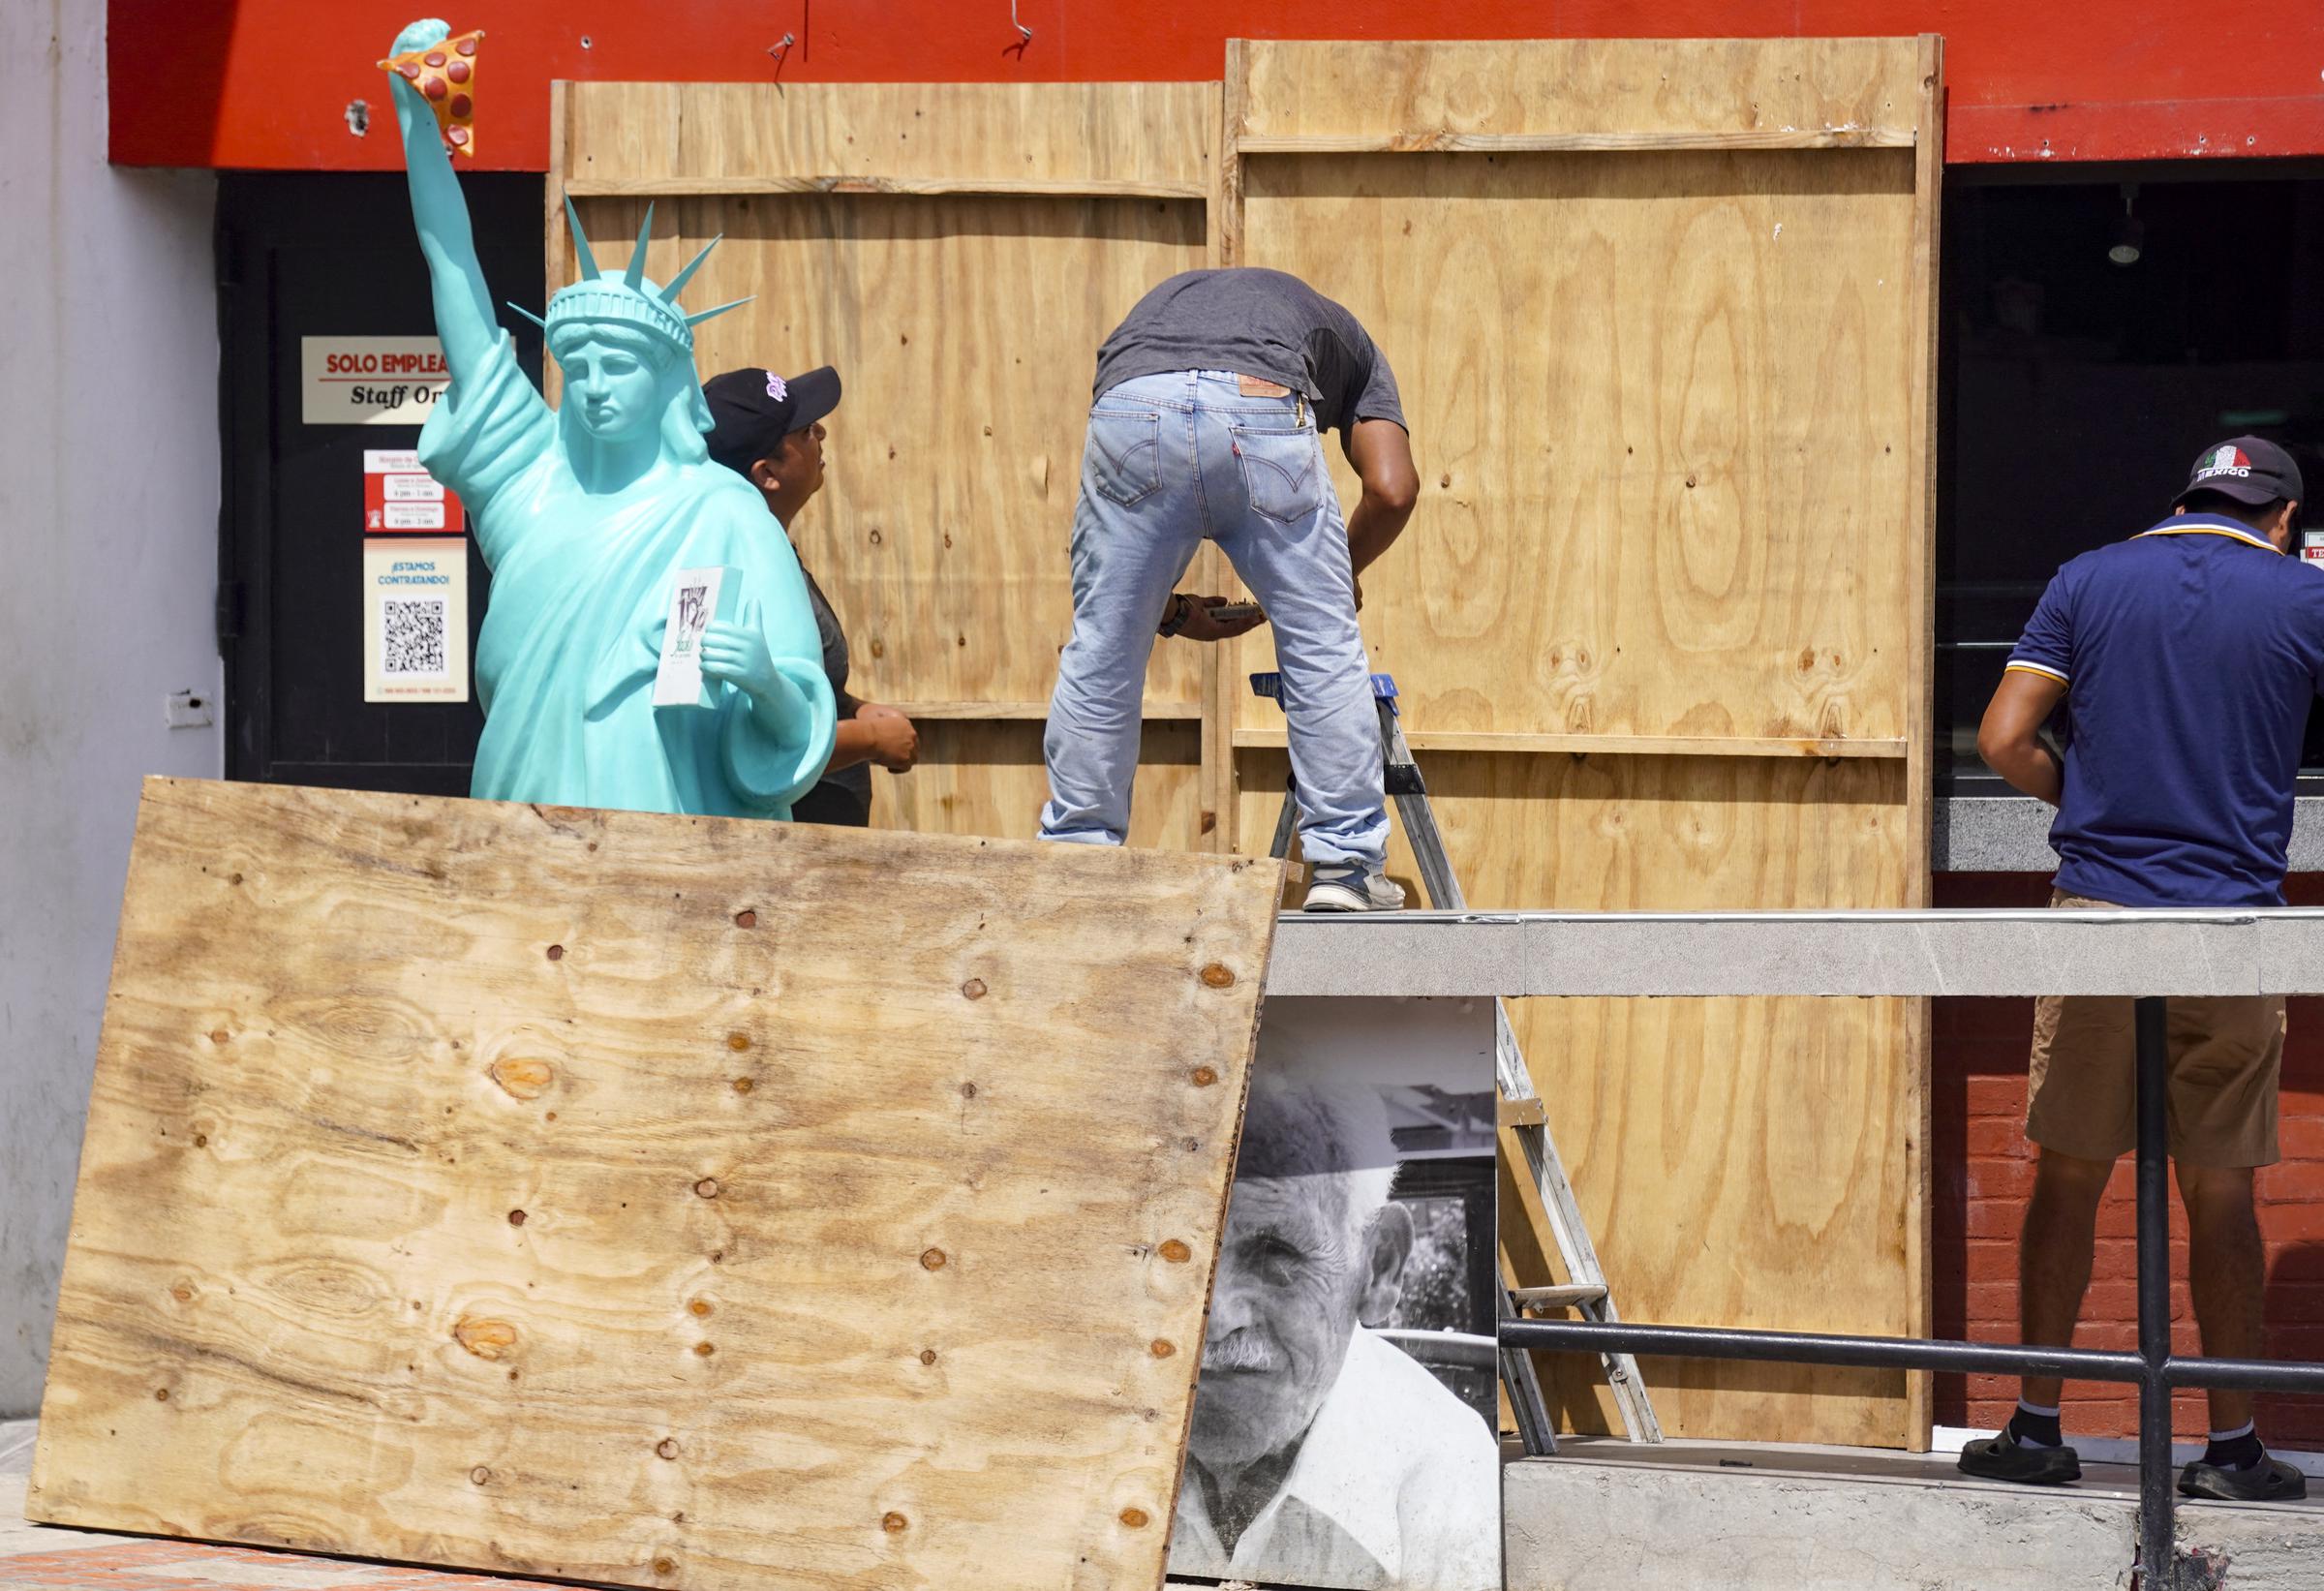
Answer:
(1321, 1454)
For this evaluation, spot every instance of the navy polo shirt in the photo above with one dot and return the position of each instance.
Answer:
(2190, 654)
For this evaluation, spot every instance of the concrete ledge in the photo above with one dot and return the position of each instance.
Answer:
(2023, 951)
(1586, 1525)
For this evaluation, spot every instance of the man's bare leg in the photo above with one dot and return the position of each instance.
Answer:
(2053, 1273)
(2227, 1274)
(2054, 1257)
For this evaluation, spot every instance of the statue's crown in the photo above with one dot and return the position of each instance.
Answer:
(626, 297)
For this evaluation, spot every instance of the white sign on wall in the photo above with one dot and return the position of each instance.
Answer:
(370, 381)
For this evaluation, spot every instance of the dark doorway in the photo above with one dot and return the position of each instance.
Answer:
(2075, 390)
(308, 254)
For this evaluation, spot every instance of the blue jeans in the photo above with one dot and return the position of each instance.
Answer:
(1170, 460)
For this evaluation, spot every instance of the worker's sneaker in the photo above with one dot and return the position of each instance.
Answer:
(1348, 887)
(2269, 1481)
(2005, 1458)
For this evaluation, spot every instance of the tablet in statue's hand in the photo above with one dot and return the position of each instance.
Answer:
(444, 74)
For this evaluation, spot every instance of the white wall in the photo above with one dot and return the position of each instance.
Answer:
(109, 538)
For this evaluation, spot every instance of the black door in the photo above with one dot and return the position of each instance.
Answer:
(314, 255)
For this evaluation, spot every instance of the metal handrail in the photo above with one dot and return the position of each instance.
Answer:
(2148, 956)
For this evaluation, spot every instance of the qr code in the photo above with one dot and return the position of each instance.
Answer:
(412, 636)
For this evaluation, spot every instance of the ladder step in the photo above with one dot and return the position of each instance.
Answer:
(1568, 1296)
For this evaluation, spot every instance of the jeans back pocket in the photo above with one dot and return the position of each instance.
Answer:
(1282, 472)
(1123, 458)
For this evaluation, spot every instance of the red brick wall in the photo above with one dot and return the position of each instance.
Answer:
(1984, 1173)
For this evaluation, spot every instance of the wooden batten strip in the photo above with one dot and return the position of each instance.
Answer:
(1661, 746)
(724, 186)
(1510, 144)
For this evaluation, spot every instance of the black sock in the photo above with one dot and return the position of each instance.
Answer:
(2241, 1450)
(2037, 1429)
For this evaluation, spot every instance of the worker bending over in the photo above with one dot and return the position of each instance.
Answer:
(2192, 653)
(1212, 399)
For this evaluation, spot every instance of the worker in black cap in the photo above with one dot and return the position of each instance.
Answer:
(769, 429)
(2188, 657)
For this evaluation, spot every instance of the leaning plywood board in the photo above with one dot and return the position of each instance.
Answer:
(663, 1201)
(1660, 311)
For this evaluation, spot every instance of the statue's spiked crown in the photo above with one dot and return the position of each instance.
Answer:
(602, 297)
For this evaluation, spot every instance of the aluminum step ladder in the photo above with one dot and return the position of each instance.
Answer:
(1585, 1291)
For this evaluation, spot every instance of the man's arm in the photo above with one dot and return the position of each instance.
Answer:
(1382, 454)
(2009, 737)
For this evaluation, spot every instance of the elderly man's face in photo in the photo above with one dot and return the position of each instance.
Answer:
(1293, 1281)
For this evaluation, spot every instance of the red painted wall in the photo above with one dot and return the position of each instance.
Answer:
(1985, 1173)
(265, 84)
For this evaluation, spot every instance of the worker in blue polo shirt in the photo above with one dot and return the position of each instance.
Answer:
(2188, 657)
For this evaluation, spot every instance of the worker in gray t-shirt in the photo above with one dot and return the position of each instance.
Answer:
(1211, 399)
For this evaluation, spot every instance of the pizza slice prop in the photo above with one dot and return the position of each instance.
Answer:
(445, 76)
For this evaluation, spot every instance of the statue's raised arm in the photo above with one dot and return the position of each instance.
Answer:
(463, 319)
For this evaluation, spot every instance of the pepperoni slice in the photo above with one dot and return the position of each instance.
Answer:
(410, 70)
(462, 106)
(433, 88)
(458, 137)
(434, 57)
(468, 47)
(458, 72)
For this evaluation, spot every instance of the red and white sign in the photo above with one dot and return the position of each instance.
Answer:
(399, 496)
(371, 381)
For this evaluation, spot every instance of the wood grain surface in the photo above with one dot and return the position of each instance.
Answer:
(670, 1202)
(1661, 407)
(1618, 91)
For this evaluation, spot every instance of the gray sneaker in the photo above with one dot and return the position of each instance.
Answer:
(1349, 888)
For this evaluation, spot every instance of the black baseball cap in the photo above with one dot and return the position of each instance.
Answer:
(752, 411)
(2247, 469)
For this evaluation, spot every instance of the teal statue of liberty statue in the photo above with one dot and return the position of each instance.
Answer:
(585, 515)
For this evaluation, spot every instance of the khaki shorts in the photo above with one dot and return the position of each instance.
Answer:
(2226, 1057)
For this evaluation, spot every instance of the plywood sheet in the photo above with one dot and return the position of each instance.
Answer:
(957, 251)
(1658, 309)
(1661, 406)
(664, 1200)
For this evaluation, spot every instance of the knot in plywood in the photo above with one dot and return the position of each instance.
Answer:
(931, 1259)
(484, 1338)
(1175, 1251)
(1216, 977)
(522, 1077)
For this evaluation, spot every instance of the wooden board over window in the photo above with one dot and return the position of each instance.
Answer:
(957, 251)
(660, 1200)
(1661, 317)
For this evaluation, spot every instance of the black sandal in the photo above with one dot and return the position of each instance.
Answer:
(2004, 1458)
(2269, 1481)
